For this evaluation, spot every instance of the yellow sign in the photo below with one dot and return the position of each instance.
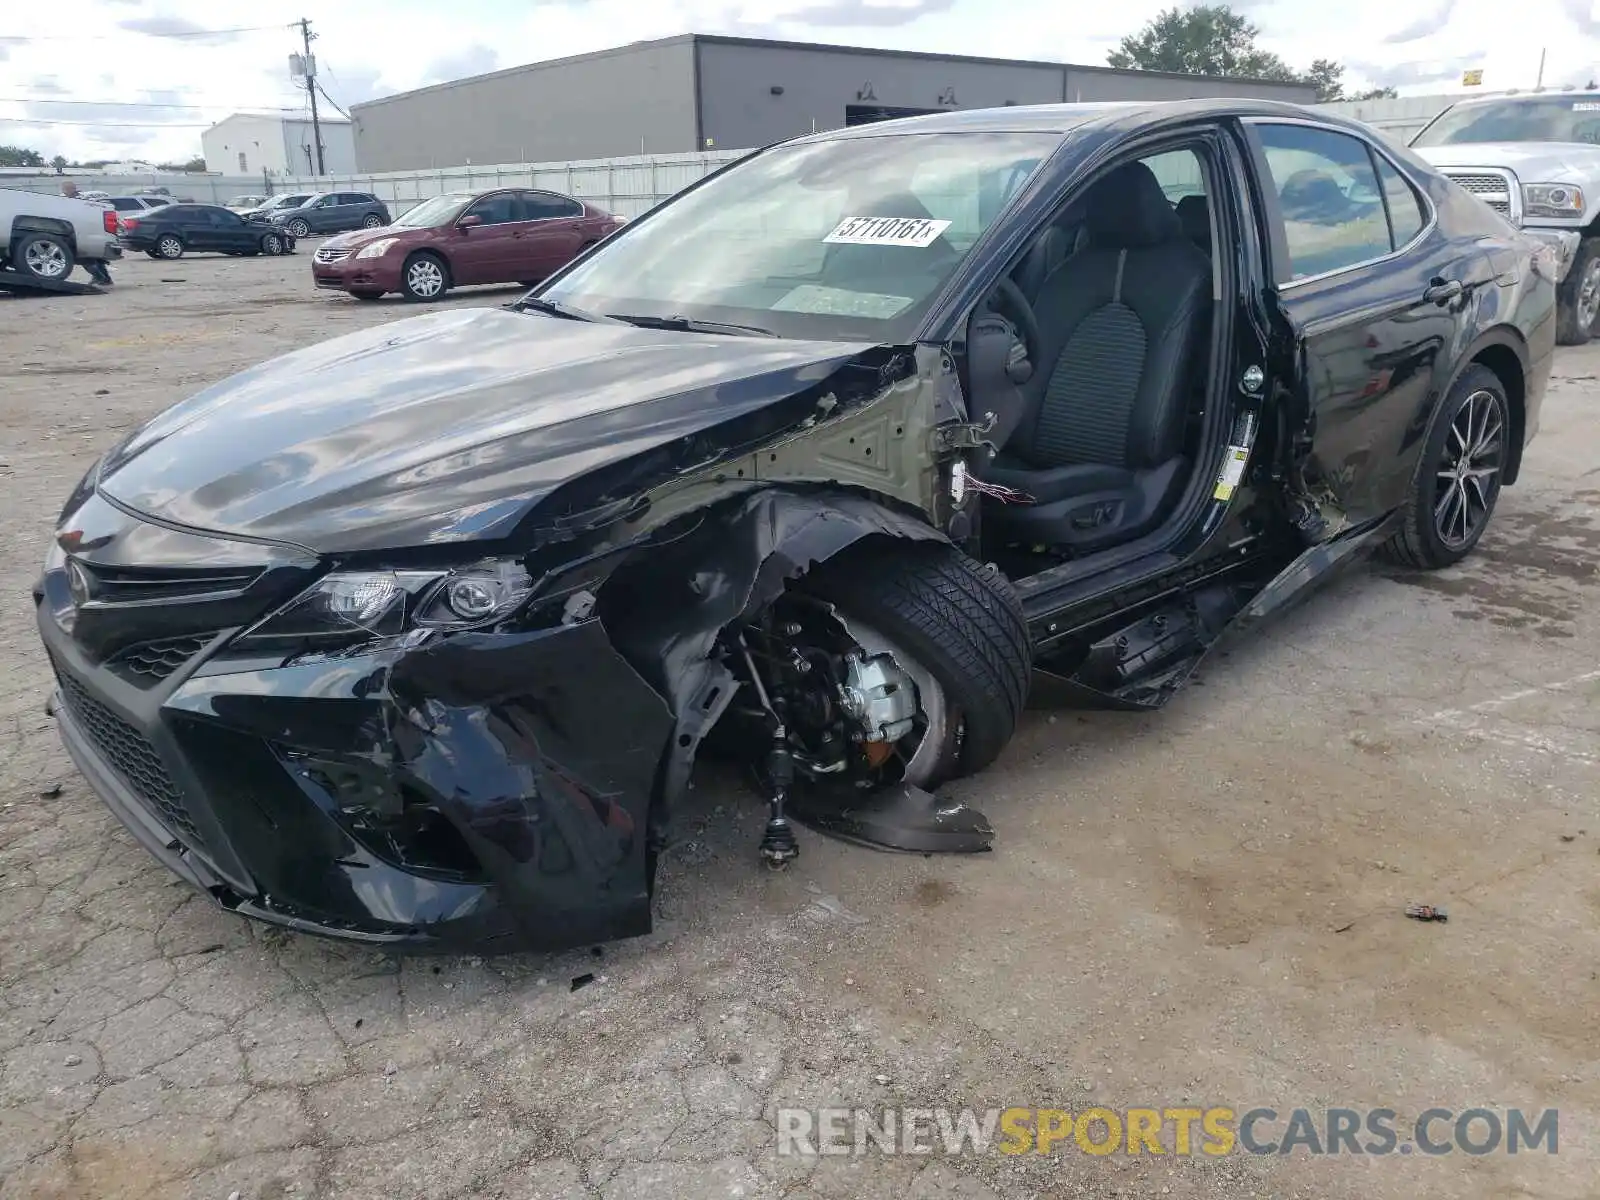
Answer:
(1472, 78)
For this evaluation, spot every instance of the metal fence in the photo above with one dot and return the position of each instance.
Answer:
(627, 187)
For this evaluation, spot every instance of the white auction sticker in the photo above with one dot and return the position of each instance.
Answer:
(917, 232)
(1586, 106)
(1232, 472)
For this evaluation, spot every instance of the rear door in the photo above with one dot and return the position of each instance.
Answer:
(1372, 299)
(490, 251)
(556, 231)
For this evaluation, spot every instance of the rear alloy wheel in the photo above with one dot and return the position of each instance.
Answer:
(423, 278)
(298, 228)
(272, 244)
(169, 245)
(44, 256)
(1458, 479)
(1578, 297)
(371, 221)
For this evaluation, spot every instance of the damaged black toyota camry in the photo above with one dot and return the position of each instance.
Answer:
(828, 464)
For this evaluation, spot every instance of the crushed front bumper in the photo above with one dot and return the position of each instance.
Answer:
(533, 757)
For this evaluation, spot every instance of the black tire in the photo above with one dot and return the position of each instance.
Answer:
(43, 255)
(271, 244)
(169, 245)
(412, 281)
(960, 619)
(372, 221)
(298, 228)
(1427, 540)
(367, 295)
(1575, 313)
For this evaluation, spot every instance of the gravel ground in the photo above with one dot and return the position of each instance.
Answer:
(1202, 906)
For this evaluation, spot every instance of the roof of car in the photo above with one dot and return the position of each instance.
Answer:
(1063, 118)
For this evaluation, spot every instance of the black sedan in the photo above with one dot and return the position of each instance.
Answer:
(178, 229)
(412, 637)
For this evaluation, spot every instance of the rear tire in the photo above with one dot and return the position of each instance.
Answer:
(1458, 478)
(371, 221)
(46, 256)
(169, 245)
(1578, 297)
(959, 620)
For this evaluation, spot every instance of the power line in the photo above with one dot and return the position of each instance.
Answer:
(45, 121)
(18, 39)
(126, 103)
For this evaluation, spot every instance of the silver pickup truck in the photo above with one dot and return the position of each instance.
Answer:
(44, 236)
(1535, 159)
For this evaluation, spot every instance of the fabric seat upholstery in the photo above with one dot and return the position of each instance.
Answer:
(1100, 441)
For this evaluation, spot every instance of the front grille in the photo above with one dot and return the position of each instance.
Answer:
(128, 753)
(329, 255)
(127, 585)
(148, 663)
(1493, 190)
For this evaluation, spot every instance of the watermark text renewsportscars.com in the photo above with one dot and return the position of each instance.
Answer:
(1213, 1131)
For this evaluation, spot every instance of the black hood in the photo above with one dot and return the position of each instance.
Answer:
(443, 428)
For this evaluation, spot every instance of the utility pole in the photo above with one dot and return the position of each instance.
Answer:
(311, 90)
(1539, 83)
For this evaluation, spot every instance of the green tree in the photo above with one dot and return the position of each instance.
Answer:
(18, 156)
(1209, 39)
(1377, 93)
(1327, 77)
(59, 162)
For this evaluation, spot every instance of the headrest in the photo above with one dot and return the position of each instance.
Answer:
(1194, 214)
(1127, 208)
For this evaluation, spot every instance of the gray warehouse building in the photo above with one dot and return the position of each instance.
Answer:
(696, 92)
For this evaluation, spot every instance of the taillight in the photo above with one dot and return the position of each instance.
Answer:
(109, 216)
(127, 223)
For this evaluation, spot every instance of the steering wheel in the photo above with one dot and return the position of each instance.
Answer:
(1006, 298)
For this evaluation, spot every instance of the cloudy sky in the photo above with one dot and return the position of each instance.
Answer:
(141, 78)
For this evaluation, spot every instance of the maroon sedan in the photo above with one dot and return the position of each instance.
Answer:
(510, 235)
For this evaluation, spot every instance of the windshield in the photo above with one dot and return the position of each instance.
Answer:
(286, 201)
(850, 238)
(1545, 119)
(431, 213)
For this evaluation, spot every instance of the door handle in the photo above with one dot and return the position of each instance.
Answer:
(1441, 291)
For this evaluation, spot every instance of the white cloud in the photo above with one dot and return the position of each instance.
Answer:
(160, 51)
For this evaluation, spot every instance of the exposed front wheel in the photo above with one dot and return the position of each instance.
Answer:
(1578, 297)
(272, 244)
(423, 278)
(1458, 479)
(299, 228)
(898, 661)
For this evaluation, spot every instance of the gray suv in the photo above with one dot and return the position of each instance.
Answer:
(332, 212)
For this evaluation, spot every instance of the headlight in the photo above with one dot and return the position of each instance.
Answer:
(1552, 200)
(376, 249)
(350, 607)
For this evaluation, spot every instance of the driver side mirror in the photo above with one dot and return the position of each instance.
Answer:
(468, 221)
